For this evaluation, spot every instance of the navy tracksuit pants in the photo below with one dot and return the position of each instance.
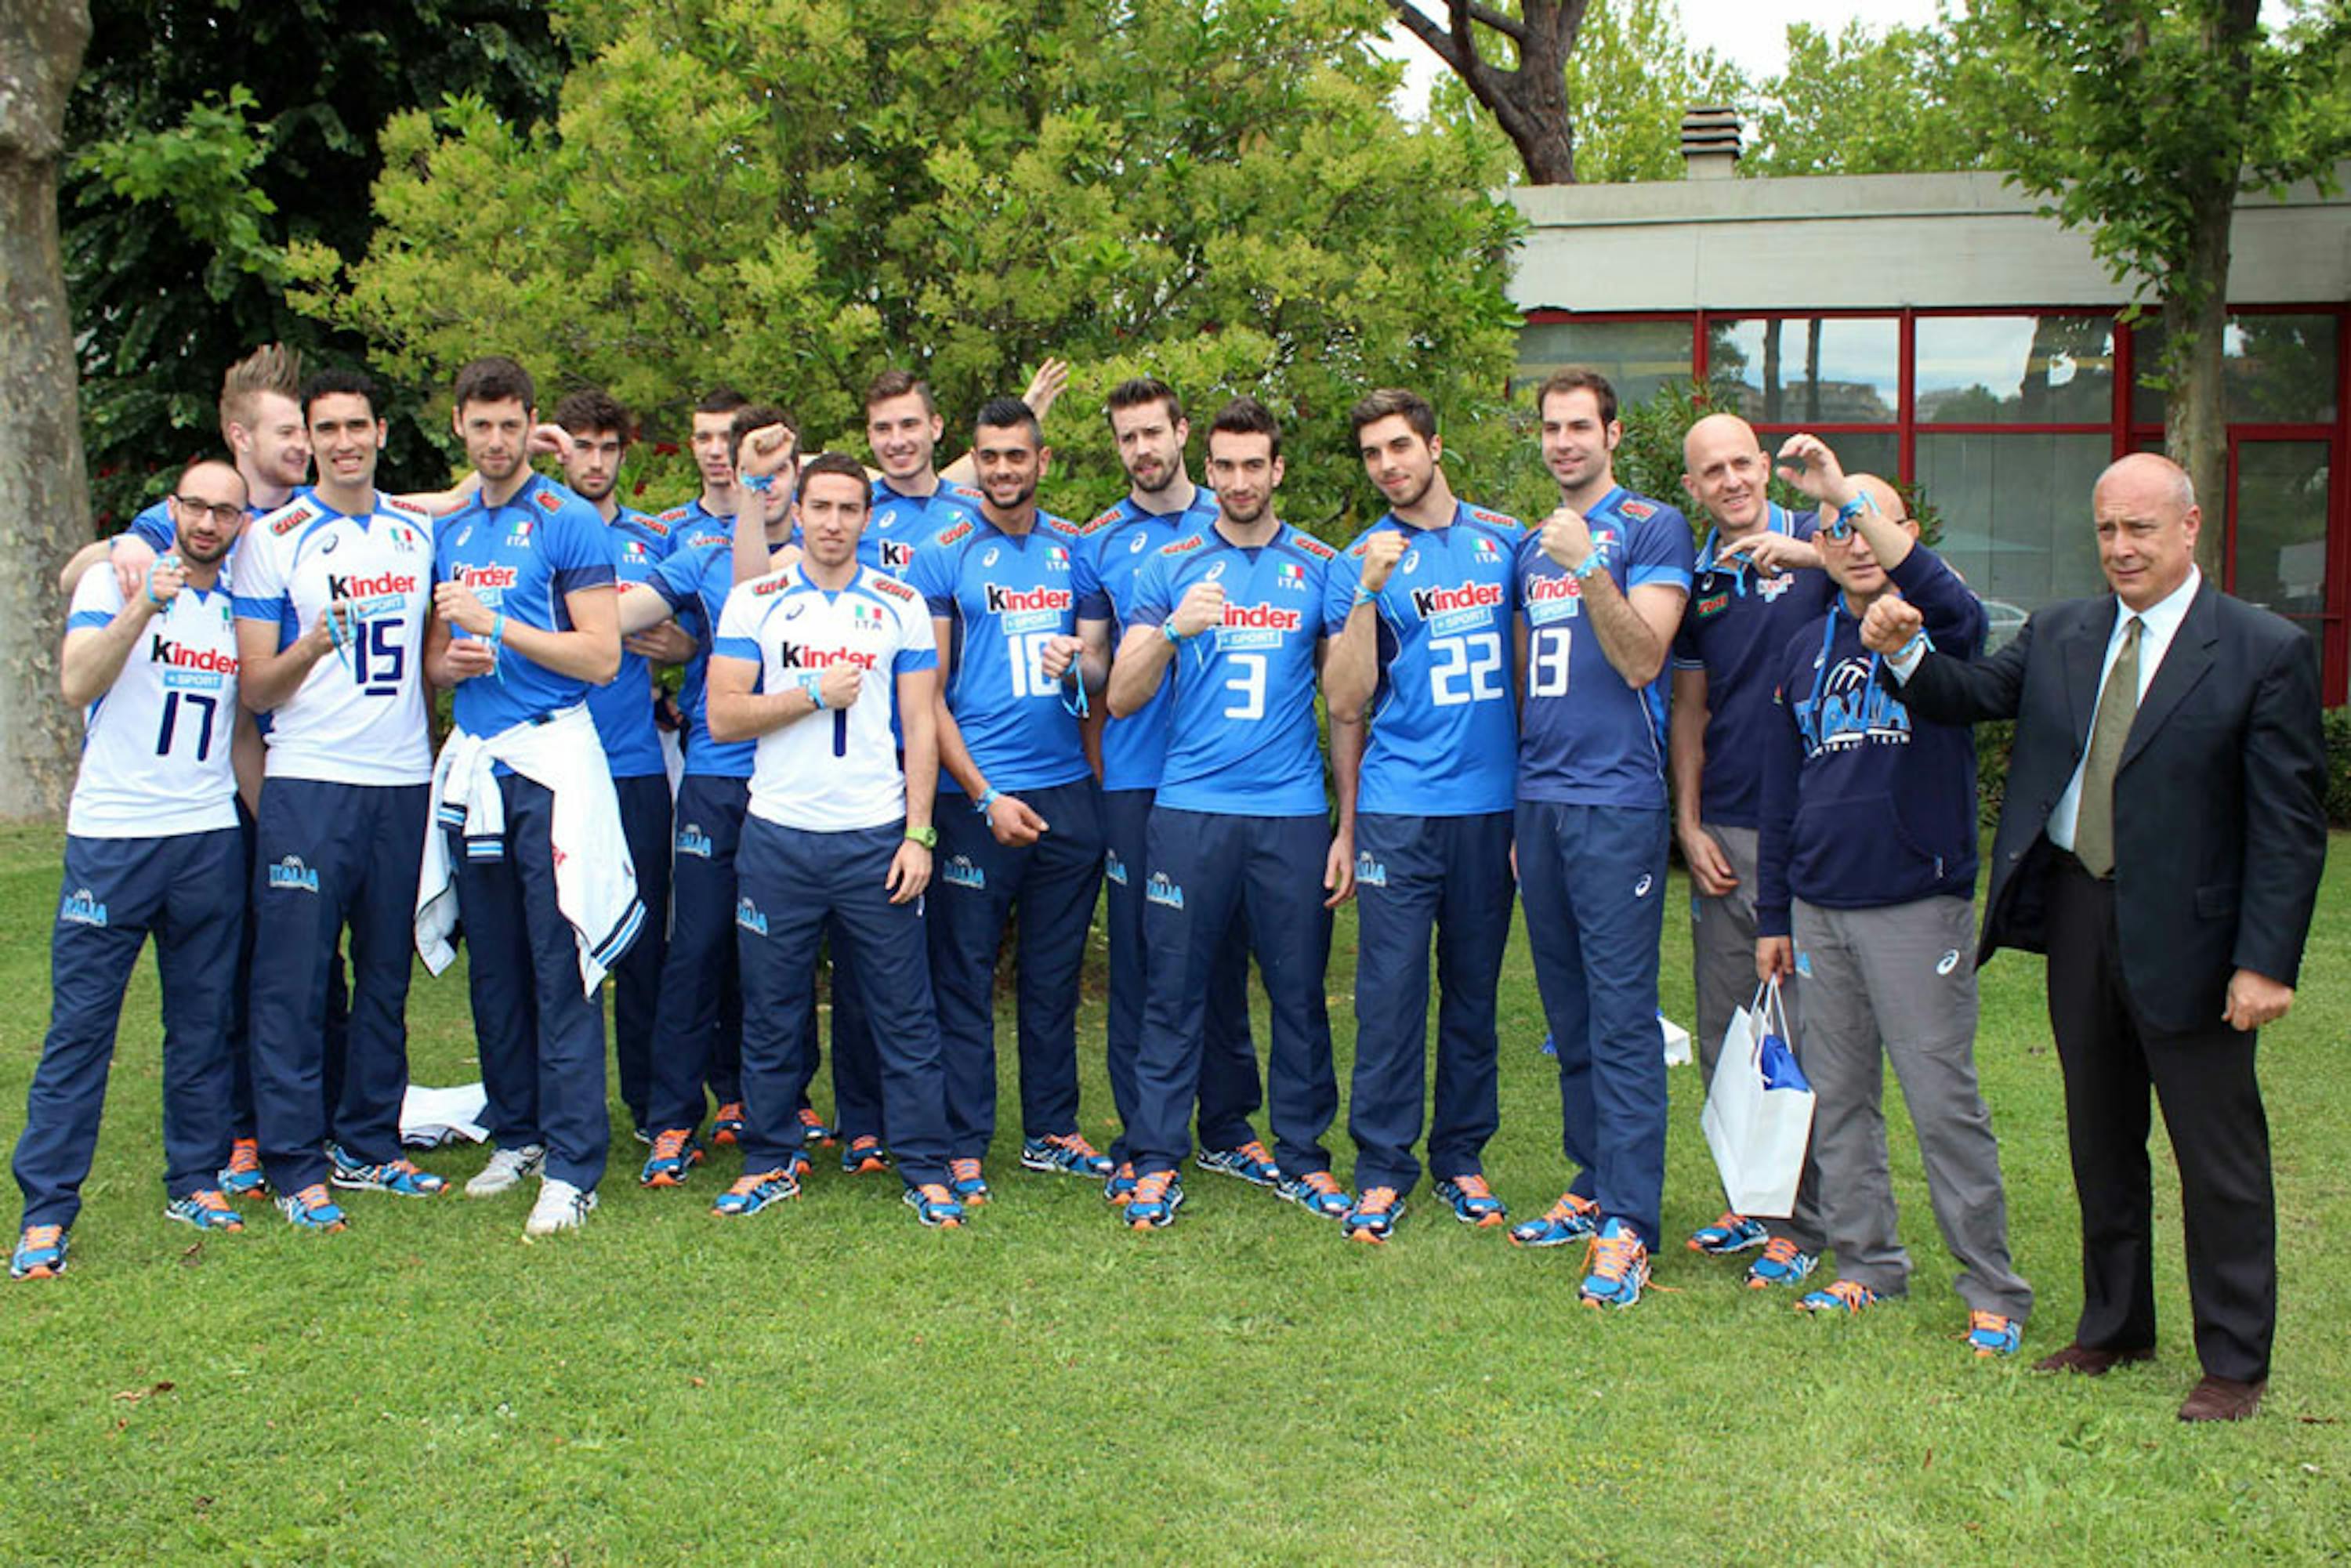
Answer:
(188, 890)
(240, 1027)
(636, 979)
(795, 884)
(1416, 875)
(1594, 881)
(1229, 1086)
(1209, 870)
(542, 1036)
(330, 856)
(975, 888)
(698, 1022)
(857, 1108)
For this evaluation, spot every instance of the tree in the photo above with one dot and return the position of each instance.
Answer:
(206, 138)
(1864, 102)
(790, 197)
(2142, 120)
(1632, 77)
(1529, 99)
(44, 488)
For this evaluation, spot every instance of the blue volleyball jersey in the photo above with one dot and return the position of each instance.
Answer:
(1241, 735)
(622, 706)
(1006, 596)
(695, 581)
(899, 524)
(1736, 624)
(1120, 541)
(522, 556)
(1586, 738)
(1444, 732)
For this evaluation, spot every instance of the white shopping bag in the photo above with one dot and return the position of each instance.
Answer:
(1759, 1110)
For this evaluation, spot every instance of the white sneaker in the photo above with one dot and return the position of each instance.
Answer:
(561, 1207)
(506, 1170)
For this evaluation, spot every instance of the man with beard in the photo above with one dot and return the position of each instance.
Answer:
(1423, 600)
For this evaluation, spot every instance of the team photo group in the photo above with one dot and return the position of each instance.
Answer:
(925, 727)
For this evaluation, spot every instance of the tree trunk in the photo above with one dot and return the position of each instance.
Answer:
(1529, 102)
(44, 489)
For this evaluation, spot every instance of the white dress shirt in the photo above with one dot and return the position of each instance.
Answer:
(2159, 622)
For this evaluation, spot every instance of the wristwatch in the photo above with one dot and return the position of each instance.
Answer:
(926, 835)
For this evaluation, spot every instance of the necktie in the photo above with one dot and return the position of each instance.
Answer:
(2094, 822)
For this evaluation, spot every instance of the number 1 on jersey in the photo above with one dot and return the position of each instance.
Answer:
(172, 719)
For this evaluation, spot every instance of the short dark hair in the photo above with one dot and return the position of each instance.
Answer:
(1247, 416)
(898, 383)
(720, 400)
(1390, 401)
(1009, 413)
(837, 464)
(754, 416)
(1579, 377)
(1139, 390)
(341, 378)
(590, 410)
(496, 378)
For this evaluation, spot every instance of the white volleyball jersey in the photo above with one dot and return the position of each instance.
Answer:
(155, 746)
(834, 772)
(359, 716)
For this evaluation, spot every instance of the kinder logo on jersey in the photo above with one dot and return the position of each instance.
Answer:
(1114, 867)
(1002, 600)
(487, 576)
(960, 873)
(81, 907)
(291, 875)
(180, 656)
(1431, 602)
(1160, 890)
(799, 657)
(1552, 598)
(1370, 873)
(691, 841)
(1262, 617)
(382, 584)
(748, 918)
(896, 556)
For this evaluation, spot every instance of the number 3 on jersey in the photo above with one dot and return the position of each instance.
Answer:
(1249, 680)
(1546, 653)
(1469, 669)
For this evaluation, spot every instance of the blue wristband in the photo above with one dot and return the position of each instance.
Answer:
(498, 631)
(982, 804)
(813, 684)
(1167, 629)
(1592, 563)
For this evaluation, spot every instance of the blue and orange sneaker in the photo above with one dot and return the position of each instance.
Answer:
(1572, 1218)
(1473, 1201)
(40, 1253)
(964, 1180)
(1065, 1154)
(755, 1191)
(1247, 1161)
(1152, 1203)
(1730, 1234)
(727, 1127)
(243, 1176)
(1783, 1263)
(206, 1208)
(1374, 1216)
(797, 1165)
(312, 1209)
(1990, 1335)
(935, 1207)
(1838, 1296)
(814, 1134)
(401, 1177)
(1318, 1192)
(864, 1157)
(1119, 1186)
(677, 1151)
(1617, 1267)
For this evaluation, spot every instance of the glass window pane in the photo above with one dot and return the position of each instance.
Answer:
(2276, 370)
(1637, 357)
(2015, 517)
(2015, 370)
(1810, 369)
(2282, 528)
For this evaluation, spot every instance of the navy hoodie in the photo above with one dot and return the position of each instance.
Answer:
(1863, 805)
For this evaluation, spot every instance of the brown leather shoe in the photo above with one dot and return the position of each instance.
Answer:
(2220, 1399)
(2091, 1361)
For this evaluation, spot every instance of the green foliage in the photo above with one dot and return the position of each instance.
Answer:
(1864, 102)
(1630, 80)
(789, 198)
(205, 138)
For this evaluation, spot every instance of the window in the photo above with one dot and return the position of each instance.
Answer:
(1810, 369)
(2015, 370)
(2015, 509)
(1637, 357)
(2275, 368)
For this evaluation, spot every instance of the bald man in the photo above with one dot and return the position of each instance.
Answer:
(2161, 839)
(1866, 874)
(1758, 578)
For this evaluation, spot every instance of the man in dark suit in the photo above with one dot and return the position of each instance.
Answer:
(2161, 841)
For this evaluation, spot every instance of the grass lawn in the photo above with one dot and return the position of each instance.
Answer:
(829, 1383)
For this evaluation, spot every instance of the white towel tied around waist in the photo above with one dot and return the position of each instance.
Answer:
(595, 880)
